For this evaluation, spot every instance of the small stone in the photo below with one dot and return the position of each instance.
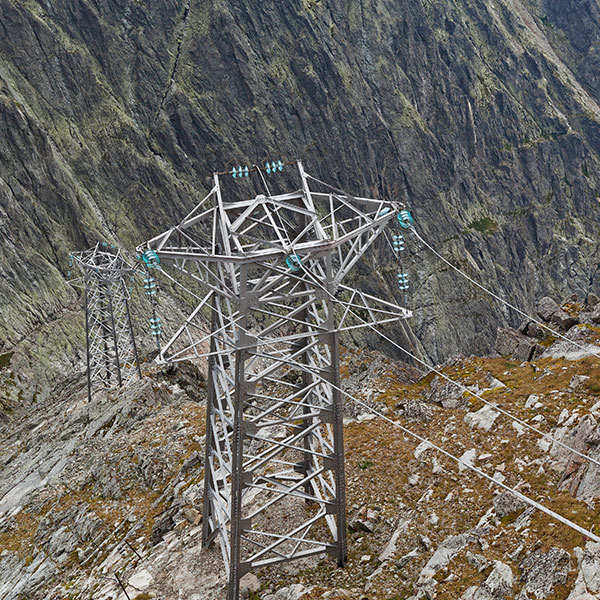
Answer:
(140, 580)
(564, 414)
(544, 444)
(249, 584)
(402, 562)
(577, 382)
(413, 479)
(478, 561)
(531, 401)
(467, 459)
(426, 543)
(520, 429)
(361, 525)
(365, 558)
(192, 515)
(499, 477)
(421, 449)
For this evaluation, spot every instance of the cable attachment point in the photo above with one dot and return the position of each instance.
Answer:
(405, 219)
(293, 262)
(151, 259)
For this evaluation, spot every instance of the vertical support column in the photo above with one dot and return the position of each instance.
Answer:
(209, 482)
(87, 336)
(113, 332)
(306, 377)
(338, 418)
(130, 327)
(237, 479)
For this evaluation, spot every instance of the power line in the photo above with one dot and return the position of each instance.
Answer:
(479, 472)
(505, 302)
(459, 385)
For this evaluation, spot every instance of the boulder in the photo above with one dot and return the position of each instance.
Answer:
(533, 330)
(249, 584)
(497, 586)
(445, 552)
(563, 320)
(507, 503)
(468, 458)
(445, 393)
(577, 382)
(140, 580)
(588, 576)
(592, 300)
(542, 571)
(546, 308)
(293, 592)
(512, 344)
(416, 410)
(482, 419)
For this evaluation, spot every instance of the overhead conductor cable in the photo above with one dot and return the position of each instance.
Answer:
(447, 454)
(459, 385)
(505, 302)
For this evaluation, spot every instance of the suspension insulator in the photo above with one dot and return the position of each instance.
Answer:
(293, 262)
(151, 259)
(405, 219)
(155, 326)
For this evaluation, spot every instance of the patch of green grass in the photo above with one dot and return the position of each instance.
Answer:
(5, 359)
(594, 387)
(484, 225)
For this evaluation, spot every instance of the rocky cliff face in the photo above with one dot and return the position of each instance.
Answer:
(483, 117)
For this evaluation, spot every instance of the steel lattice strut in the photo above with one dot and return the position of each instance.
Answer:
(112, 358)
(271, 266)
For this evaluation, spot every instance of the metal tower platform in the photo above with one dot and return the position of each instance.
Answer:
(112, 358)
(271, 269)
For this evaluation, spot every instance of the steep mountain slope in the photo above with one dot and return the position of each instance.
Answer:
(104, 500)
(482, 116)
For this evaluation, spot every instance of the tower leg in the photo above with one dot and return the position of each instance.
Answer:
(87, 340)
(209, 483)
(338, 422)
(237, 479)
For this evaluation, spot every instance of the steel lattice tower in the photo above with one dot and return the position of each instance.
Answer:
(272, 267)
(112, 358)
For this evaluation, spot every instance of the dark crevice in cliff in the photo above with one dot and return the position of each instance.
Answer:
(183, 27)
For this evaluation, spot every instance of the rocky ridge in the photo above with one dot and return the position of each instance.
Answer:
(104, 500)
(483, 117)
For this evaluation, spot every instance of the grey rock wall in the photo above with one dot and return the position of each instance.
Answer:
(483, 117)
